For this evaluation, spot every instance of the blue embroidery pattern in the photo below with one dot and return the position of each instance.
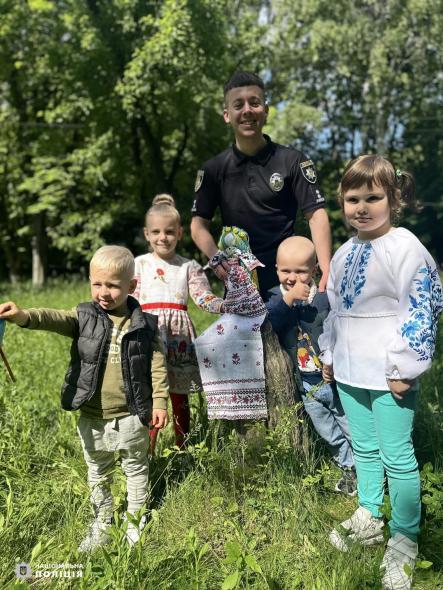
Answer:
(354, 278)
(425, 306)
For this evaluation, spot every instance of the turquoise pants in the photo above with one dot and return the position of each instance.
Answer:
(381, 435)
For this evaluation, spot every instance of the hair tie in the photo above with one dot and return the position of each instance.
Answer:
(398, 173)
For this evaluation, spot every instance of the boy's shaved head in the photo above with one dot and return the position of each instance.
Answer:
(299, 247)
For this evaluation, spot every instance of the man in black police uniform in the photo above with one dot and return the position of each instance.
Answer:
(258, 185)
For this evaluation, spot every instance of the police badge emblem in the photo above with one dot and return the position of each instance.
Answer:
(199, 180)
(276, 182)
(308, 171)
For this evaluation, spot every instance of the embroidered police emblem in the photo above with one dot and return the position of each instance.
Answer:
(199, 180)
(308, 171)
(276, 182)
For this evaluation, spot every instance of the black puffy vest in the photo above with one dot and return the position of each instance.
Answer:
(88, 358)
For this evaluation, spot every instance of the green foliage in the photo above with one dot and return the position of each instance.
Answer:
(359, 77)
(432, 486)
(104, 104)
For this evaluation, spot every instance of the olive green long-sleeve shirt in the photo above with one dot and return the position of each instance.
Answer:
(109, 401)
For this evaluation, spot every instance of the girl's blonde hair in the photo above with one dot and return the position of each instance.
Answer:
(163, 204)
(375, 169)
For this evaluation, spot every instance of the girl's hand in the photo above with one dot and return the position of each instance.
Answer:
(221, 270)
(160, 418)
(328, 373)
(400, 387)
(12, 313)
(220, 265)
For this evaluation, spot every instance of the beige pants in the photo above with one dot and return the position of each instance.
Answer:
(101, 439)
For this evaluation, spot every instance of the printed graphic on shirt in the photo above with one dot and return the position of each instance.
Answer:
(308, 171)
(114, 347)
(307, 359)
(319, 198)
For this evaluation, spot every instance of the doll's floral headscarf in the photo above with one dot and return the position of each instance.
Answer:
(234, 242)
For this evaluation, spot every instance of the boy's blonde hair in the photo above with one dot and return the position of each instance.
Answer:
(163, 204)
(115, 258)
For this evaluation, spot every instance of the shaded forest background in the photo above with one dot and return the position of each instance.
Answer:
(105, 103)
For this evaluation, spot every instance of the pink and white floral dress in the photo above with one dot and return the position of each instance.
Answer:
(163, 289)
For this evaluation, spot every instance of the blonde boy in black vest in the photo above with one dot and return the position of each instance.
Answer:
(117, 378)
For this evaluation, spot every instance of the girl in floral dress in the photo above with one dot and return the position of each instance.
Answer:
(386, 297)
(165, 280)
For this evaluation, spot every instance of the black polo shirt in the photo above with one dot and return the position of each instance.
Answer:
(261, 194)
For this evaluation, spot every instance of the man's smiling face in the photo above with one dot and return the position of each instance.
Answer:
(246, 111)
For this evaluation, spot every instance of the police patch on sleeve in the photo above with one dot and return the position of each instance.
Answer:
(308, 171)
(276, 182)
(199, 180)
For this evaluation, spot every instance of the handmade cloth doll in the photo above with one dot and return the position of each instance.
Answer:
(235, 352)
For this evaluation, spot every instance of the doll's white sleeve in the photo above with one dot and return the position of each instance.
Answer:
(420, 304)
(326, 340)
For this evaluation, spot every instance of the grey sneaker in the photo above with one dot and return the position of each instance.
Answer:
(133, 532)
(96, 536)
(347, 484)
(362, 528)
(400, 552)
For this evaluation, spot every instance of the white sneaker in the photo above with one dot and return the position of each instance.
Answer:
(133, 532)
(400, 552)
(96, 536)
(362, 528)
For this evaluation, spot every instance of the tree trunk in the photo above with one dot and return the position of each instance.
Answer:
(11, 263)
(39, 251)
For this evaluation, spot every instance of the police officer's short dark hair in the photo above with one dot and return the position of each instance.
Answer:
(240, 78)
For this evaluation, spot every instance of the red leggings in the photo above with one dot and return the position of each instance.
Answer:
(181, 416)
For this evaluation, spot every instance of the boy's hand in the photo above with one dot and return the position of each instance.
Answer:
(299, 292)
(400, 387)
(12, 313)
(160, 418)
(328, 373)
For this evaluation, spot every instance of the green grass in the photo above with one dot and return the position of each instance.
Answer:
(253, 515)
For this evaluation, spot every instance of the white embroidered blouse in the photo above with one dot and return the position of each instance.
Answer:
(386, 297)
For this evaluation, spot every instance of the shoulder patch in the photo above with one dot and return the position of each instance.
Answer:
(199, 180)
(308, 171)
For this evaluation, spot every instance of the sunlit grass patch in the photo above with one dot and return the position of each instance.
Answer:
(228, 512)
